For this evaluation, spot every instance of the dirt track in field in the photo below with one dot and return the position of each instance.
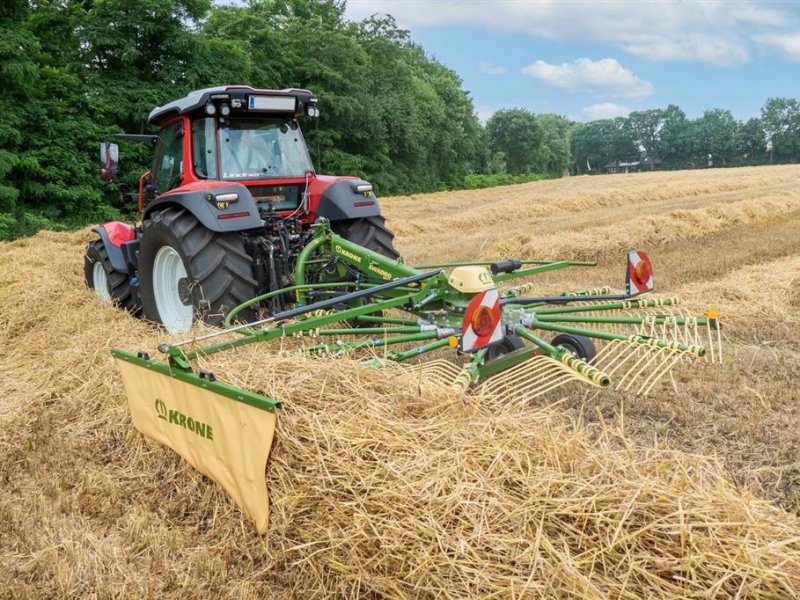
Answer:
(383, 489)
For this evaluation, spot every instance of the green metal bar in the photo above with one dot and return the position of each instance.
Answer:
(624, 305)
(302, 261)
(566, 357)
(387, 320)
(419, 350)
(506, 361)
(474, 365)
(486, 263)
(299, 326)
(658, 319)
(552, 266)
(366, 331)
(546, 347)
(287, 290)
(604, 335)
(188, 376)
(373, 343)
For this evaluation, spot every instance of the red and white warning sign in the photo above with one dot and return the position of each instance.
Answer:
(481, 325)
(640, 273)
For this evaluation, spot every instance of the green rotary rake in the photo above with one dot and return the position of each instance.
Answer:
(348, 300)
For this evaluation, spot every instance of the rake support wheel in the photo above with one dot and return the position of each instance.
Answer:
(507, 345)
(579, 345)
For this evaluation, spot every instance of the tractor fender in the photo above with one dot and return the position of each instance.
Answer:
(214, 207)
(114, 234)
(341, 200)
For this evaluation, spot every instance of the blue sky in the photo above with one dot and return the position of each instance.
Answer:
(597, 59)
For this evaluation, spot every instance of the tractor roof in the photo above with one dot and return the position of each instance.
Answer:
(239, 98)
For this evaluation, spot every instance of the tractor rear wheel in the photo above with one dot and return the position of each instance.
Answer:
(370, 232)
(108, 284)
(187, 271)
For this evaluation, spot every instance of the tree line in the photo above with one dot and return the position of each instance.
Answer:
(76, 70)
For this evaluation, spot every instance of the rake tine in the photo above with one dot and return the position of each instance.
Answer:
(626, 352)
(667, 364)
(711, 346)
(648, 356)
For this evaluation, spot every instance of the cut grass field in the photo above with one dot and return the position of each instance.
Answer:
(383, 488)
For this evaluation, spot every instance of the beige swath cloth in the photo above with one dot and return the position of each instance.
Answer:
(226, 440)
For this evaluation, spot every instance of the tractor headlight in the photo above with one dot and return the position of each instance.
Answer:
(224, 110)
(211, 110)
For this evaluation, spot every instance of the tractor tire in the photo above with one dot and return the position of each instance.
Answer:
(581, 346)
(370, 232)
(187, 272)
(109, 285)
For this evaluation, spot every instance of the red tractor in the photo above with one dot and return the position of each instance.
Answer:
(226, 208)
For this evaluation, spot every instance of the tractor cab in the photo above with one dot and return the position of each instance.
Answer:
(226, 208)
(227, 134)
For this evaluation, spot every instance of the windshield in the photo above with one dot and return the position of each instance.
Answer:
(257, 149)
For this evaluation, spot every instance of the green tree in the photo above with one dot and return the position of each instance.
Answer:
(597, 144)
(516, 133)
(49, 131)
(751, 143)
(781, 120)
(554, 157)
(716, 134)
(663, 133)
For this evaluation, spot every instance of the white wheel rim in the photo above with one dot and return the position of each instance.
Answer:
(168, 270)
(100, 282)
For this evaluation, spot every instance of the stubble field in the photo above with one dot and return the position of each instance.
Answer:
(380, 488)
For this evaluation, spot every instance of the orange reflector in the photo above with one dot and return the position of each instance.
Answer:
(483, 321)
(643, 271)
(452, 341)
(712, 314)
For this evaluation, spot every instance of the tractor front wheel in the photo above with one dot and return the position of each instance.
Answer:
(109, 285)
(187, 271)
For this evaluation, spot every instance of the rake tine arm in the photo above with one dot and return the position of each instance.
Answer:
(632, 304)
(565, 357)
(634, 339)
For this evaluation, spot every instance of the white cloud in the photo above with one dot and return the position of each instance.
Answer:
(604, 77)
(484, 113)
(711, 32)
(605, 110)
(487, 68)
(713, 49)
(786, 44)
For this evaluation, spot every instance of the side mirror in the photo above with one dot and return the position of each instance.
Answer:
(109, 160)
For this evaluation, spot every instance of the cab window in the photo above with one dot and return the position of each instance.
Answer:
(204, 149)
(169, 167)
